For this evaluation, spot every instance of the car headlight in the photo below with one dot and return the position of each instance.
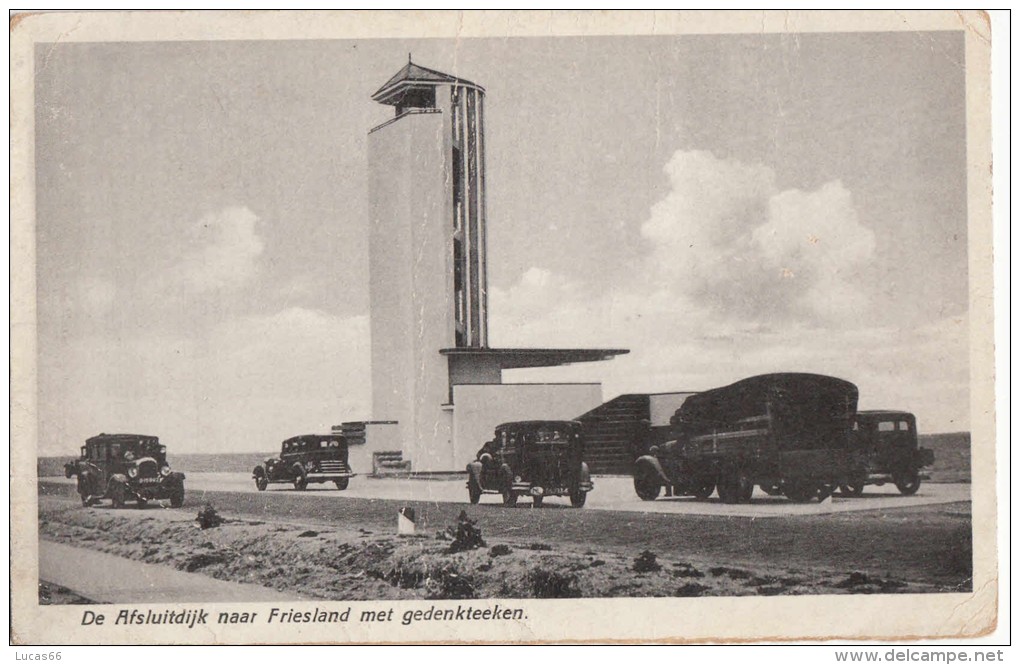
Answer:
(133, 472)
(165, 470)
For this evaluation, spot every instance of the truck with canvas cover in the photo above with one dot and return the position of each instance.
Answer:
(788, 433)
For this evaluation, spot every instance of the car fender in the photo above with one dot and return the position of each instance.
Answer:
(652, 462)
(297, 469)
(175, 478)
(119, 478)
(474, 470)
(260, 470)
(70, 469)
(585, 476)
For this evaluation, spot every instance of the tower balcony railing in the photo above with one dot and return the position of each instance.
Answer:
(405, 112)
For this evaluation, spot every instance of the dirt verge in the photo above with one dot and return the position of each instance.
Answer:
(362, 564)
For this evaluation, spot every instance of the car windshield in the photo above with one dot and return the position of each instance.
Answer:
(144, 448)
(551, 436)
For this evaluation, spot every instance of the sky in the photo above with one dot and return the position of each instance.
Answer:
(721, 205)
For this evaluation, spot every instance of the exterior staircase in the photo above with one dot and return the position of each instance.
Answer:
(614, 431)
(390, 463)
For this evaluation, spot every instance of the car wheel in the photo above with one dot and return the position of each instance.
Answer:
(300, 482)
(261, 482)
(117, 496)
(507, 490)
(907, 482)
(647, 483)
(342, 483)
(509, 498)
(177, 498)
(474, 490)
(141, 503)
(577, 498)
(83, 492)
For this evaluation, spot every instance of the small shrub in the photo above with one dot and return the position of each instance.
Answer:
(691, 590)
(467, 536)
(208, 518)
(551, 584)
(499, 550)
(646, 563)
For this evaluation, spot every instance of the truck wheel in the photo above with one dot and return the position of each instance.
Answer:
(907, 482)
(577, 498)
(261, 482)
(474, 490)
(727, 492)
(735, 486)
(647, 483)
(852, 489)
(300, 482)
(177, 497)
(342, 483)
(800, 492)
(704, 488)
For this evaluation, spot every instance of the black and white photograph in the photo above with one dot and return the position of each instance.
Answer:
(361, 323)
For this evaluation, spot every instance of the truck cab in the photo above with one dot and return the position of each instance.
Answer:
(887, 451)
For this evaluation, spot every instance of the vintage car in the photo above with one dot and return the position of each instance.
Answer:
(886, 443)
(309, 458)
(125, 467)
(536, 458)
(787, 433)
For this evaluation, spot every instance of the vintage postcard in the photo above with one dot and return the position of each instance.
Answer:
(450, 327)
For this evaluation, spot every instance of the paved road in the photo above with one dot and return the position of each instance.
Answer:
(105, 578)
(611, 493)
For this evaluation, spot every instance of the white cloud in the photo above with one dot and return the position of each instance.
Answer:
(244, 386)
(727, 238)
(222, 252)
(741, 279)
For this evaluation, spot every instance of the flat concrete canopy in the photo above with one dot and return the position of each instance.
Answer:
(520, 358)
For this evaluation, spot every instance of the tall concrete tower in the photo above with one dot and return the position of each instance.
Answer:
(428, 290)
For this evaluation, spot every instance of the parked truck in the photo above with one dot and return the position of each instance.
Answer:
(788, 433)
(887, 451)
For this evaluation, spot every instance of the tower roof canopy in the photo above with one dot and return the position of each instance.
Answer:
(414, 76)
(520, 358)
